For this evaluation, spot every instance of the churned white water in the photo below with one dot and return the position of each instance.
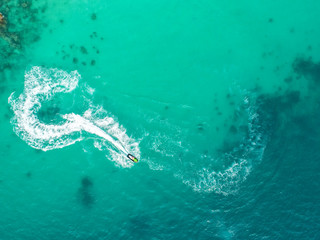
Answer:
(41, 85)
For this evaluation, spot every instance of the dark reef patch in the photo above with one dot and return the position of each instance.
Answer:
(85, 195)
(21, 23)
(71, 51)
(305, 67)
(83, 50)
(276, 109)
(272, 110)
(93, 35)
(93, 16)
(279, 103)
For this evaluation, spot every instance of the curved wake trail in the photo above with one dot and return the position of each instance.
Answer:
(41, 85)
(245, 157)
(198, 170)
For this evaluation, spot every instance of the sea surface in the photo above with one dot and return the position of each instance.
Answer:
(219, 101)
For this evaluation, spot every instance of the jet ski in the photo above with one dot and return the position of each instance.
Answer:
(132, 158)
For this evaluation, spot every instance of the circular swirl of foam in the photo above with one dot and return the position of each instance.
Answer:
(41, 85)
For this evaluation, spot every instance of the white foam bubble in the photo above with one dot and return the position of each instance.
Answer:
(41, 85)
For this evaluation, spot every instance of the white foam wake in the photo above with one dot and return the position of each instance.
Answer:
(41, 85)
(244, 157)
(198, 170)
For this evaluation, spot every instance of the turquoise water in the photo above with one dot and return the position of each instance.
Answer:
(219, 101)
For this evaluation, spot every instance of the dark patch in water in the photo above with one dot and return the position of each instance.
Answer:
(85, 192)
(293, 97)
(233, 129)
(307, 68)
(93, 62)
(25, 4)
(166, 107)
(140, 226)
(93, 35)
(200, 126)
(272, 109)
(228, 146)
(48, 114)
(288, 79)
(29, 174)
(86, 182)
(93, 16)
(38, 151)
(20, 25)
(278, 104)
(83, 50)
(287, 179)
(75, 60)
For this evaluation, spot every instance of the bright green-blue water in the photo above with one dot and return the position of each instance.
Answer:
(219, 100)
